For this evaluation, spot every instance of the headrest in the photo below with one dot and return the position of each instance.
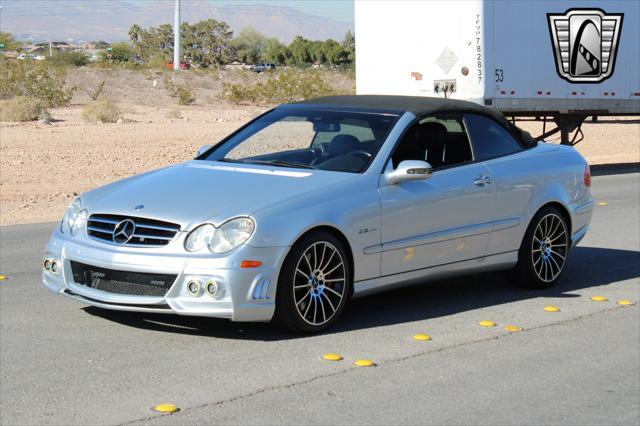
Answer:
(343, 144)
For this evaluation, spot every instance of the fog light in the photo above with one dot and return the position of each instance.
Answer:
(193, 287)
(54, 267)
(47, 264)
(215, 289)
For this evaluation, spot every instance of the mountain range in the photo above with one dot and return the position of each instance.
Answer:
(110, 20)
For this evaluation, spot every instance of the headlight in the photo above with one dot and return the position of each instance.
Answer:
(200, 237)
(230, 235)
(74, 218)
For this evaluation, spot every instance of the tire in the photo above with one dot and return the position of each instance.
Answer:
(544, 250)
(313, 285)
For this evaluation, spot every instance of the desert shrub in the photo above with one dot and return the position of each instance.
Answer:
(23, 108)
(156, 61)
(94, 93)
(185, 95)
(183, 92)
(103, 111)
(120, 52)
(77, 59)
(286, 86)
(35, 80)
(173, 113)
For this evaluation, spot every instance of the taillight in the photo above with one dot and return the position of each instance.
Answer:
(587, 176)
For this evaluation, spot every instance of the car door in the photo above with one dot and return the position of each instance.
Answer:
(444, 219)
(511, 171)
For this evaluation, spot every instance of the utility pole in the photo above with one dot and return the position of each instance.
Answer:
(50, 48)
(176, 38)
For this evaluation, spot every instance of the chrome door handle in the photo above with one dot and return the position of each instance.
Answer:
(482, 180)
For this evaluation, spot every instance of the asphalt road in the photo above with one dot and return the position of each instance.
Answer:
(61, 362)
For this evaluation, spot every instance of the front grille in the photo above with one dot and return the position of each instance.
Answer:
(148, 232)
(121, 282)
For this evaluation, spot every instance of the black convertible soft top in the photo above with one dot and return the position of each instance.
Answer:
(418, 106)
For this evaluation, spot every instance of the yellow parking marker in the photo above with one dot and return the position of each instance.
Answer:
(512, 328)
(332, 357)
(422, 337)
(551, 308)
(625, 302)
(166, 408)
(599, 299)
(364, 363)
(3, 277)
(487, 323)
(602, 203)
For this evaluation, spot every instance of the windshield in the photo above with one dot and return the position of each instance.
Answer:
(341, 141)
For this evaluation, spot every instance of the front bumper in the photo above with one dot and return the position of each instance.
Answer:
(249, 292)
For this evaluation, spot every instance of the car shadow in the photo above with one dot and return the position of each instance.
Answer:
(588, 267)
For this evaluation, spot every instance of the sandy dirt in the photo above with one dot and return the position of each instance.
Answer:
(43, 167)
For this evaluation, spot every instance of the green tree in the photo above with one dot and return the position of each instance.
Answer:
(349, 46)
(334, 52)
(100, 44)
(207, 43)
(152, 42)
(274, 52)
(249, 46)
(9, 42)
(121, 52)
(300, 51)
(317, 52)
(76, 58)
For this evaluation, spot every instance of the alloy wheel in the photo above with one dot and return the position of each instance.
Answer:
(549, 247)
(319, 283)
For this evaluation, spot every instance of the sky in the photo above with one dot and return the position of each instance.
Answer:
(340, 10)
(110, 19)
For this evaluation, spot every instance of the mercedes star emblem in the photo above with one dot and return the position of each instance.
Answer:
(123, 232)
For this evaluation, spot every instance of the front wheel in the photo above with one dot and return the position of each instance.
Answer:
(543, 253)
(313, 285)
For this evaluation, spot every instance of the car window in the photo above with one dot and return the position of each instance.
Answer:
(360, 129)
(288, 134)
(303, 137)
(441, 140)
(489, 139)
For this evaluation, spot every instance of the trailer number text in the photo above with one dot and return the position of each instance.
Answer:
(479, 47)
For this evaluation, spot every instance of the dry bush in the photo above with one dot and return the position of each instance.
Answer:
(35, 80)
(23, 108)
(285, 86)
(103, 111)
(94, 93)
(183, 92)
(173, 112)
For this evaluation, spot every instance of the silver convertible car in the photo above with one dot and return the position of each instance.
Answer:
(315, 202)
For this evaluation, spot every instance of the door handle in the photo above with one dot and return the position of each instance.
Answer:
(482, 180)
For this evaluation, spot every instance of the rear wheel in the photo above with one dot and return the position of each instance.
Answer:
(543, 253)
(313, 285)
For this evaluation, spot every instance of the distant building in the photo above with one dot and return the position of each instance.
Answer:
(43, 48)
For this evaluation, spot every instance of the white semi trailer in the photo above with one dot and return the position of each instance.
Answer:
(554, 60)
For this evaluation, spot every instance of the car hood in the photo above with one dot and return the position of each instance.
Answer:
(201, 191)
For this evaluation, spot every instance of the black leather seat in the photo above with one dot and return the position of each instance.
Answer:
(342, 145)
(432, 137)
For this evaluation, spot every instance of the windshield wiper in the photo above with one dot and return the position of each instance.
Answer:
(277, 163)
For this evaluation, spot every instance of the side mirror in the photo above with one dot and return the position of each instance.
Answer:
(409, 170)
(203, 149)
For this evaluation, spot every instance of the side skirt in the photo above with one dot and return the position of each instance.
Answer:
(484, 264)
